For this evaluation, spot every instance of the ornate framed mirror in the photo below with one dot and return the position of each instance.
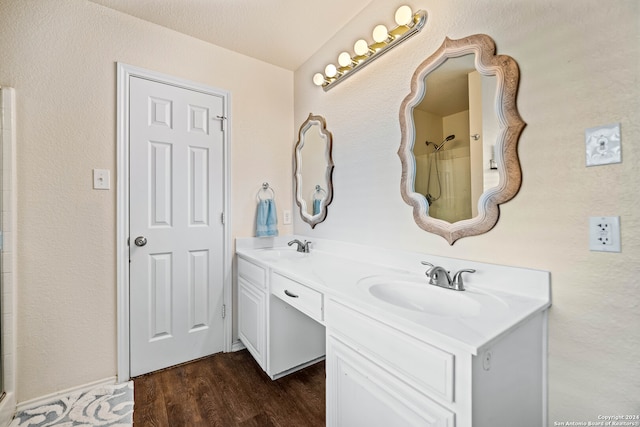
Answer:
(459, 134)
(313, 169)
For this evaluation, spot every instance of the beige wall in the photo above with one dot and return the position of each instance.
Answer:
(579, 63)
(60, 57)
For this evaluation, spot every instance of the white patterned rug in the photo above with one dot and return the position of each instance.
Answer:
(110, 406)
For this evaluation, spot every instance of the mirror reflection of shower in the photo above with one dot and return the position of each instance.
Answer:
(438, 147)
(460, 101)
(432, 161)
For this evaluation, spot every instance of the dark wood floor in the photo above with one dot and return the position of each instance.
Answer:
(227, 390)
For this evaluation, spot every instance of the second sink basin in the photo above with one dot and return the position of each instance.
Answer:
(426, 298)
(281, 254)
(414, 293)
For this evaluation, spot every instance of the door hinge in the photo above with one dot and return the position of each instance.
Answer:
(222, 217)
(223, 120)
(224, 310)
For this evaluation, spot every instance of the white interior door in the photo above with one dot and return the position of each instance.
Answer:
(176, 236)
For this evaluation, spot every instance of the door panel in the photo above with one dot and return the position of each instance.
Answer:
(176, 198)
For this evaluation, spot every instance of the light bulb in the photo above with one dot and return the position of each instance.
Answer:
(404, 15)
(344, 59)
(330, 71)
(361, 47)
(318, 79)
(380, 33)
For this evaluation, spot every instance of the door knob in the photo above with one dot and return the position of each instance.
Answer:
(140, 241)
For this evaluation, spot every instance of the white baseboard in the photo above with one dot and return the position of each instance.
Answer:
(49, 398)
(7, 409)
(237, 346)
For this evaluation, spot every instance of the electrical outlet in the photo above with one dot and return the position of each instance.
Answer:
(604, 233)
(286, 217)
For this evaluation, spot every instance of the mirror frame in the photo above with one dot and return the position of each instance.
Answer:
(313, 220)
(505, 69)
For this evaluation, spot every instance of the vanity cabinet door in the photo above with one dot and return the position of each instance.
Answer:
(361, 393)
(252, 320)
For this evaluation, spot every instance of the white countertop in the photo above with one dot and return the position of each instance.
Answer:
(506, 296)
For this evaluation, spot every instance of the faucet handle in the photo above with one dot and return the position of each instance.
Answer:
(428, 264)
(457, 282)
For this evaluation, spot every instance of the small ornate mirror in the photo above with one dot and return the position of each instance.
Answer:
(459, 134)
(313, 170)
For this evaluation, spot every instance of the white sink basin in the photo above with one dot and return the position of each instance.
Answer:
(281, 254)
(415, 293)
(427, 298)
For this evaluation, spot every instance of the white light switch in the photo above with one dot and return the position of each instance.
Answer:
(603, 145)
(286, 217)
(101, 179)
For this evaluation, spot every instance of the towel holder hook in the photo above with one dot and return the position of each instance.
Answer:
(265, 189)
(319, 191)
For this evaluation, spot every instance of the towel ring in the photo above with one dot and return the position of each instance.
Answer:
(319, 191)
(265, 189)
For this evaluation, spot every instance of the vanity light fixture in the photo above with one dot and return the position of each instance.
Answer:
(361, 48)
(408, 24)
(403, 16)
(344, 59)
(381, 34)
(330, 71)
(318, 79)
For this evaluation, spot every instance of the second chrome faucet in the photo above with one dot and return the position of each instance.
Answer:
(439, 276)
(302, 247)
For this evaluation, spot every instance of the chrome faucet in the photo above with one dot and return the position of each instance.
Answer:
(302, 247)
(439, 276)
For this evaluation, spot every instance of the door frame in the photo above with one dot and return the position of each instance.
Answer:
(124, 73)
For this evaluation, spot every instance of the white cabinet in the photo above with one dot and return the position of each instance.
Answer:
(252, 309)
(376, 373)
(360, 393)
(278, 320)
(251, 320)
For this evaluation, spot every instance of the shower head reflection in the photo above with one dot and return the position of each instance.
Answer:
(444, 141)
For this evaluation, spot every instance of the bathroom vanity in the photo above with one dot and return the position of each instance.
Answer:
(398, 350)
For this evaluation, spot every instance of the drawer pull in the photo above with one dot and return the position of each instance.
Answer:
(290, 294)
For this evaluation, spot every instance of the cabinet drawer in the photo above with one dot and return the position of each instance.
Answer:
(297, 295)
(425, 367)
(253, 273)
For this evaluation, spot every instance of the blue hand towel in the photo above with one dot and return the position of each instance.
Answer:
(266, 218)
(316, 206)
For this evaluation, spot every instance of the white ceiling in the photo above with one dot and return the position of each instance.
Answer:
(281, 32)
